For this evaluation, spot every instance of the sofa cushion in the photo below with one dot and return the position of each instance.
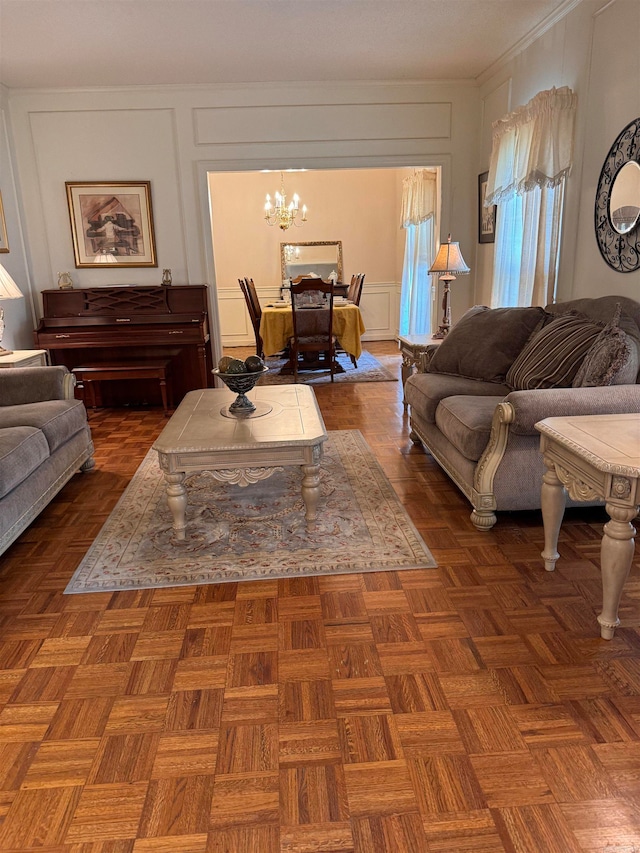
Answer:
(552, 357)
(423, 391)
(629, 373)
(466, 422)
(485, 344)
(58, 419)
(602, 308)
(22, 450)
(610, 355)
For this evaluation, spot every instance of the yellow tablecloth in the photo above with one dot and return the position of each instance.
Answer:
(276, 327)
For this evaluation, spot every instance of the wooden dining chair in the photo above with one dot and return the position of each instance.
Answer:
(312, 311)
(353, 295)
(248, 288)
(355, 288)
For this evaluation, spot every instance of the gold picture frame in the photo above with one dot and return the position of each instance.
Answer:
(4, 240)
(111, 223)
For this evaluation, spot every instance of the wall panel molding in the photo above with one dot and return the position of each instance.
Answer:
(321, 123)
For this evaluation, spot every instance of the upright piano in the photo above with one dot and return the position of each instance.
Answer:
(131, 323)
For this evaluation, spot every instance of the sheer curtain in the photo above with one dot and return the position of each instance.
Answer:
(419, 198)
(530, 160)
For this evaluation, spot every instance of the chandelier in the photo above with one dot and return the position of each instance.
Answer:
(291, 253)
(281, 214)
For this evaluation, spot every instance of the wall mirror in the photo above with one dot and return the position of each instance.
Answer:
(624, 204)
(617, 208)
(303, 258)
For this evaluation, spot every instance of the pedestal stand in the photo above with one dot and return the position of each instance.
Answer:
(445, 326)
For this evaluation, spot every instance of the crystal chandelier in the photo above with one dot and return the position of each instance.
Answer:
(281, 214)
(291, 253)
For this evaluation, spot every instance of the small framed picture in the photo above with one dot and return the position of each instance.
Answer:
(4, 242)
(486, 215)
(112, 223)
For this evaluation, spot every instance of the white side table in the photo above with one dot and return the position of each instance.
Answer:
(25, 358)
(594, 457)
(414, 349)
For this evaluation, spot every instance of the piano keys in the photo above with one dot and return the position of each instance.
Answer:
(132, 323)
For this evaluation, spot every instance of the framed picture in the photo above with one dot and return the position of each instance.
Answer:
(486, 215)
(4, 242)
(112, 223)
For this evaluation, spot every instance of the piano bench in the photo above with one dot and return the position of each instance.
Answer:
(99, 371)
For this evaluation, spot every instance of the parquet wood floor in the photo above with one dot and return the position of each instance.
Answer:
(472, 707)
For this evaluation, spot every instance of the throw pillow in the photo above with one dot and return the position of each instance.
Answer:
(608, 357)
(552, 357)
(483, 344)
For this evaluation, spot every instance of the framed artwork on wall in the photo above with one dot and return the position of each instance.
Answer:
(112, 223)
(486, 215)
(4, 242)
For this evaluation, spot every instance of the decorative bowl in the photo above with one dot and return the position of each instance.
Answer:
(240, 384)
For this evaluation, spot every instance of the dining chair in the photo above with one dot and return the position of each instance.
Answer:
(312, 311)
(355, 288)
(353, 295)
(248, 288)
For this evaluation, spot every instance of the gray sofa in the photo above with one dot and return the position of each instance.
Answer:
(44, 440)
(475, 407)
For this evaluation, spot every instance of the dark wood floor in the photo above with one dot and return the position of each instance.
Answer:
(472, 707)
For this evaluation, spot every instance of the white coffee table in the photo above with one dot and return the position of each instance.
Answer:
(591, 457)
(245, 450)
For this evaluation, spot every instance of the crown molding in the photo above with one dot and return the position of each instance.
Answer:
(527, 40)
(604, 8)
(260, 87)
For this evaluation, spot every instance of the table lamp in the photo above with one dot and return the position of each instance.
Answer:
(8, 290)
(449, 260)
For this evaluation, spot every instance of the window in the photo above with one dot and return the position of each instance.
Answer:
(530, 160)
(419, 196)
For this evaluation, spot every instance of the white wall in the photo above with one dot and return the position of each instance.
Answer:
(19, 314)
(595, 54)
(613, 100)
(175, 136)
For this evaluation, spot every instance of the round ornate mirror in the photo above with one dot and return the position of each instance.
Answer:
(617, 208)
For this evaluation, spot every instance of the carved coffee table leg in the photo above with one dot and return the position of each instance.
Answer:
(311, 491)
(177, 500)
(616, 554)
(552, 501)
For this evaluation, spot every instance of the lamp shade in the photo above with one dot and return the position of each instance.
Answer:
(8, 288)
(449, 260)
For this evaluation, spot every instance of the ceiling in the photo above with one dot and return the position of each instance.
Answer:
(81, 43)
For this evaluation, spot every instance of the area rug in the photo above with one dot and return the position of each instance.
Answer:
(369, 369)
(255, 532)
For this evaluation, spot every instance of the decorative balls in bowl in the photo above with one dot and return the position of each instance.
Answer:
(240, 377)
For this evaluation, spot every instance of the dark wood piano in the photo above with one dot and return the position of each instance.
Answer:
(131, 323)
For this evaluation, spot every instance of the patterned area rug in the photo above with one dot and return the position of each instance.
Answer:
(255, 532)
(369, 369)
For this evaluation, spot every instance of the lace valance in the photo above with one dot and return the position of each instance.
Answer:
(532, 146)
(419, 197)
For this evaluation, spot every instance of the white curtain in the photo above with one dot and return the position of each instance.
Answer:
(419, 204)
(530, 160)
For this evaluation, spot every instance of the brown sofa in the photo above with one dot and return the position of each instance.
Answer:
(476, 406)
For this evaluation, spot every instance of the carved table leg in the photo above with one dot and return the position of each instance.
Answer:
(406, 371)
(311, 491)
(552, 501)
(616, 554)
(177, 500)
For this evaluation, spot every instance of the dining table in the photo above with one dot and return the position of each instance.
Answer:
(276, 327)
